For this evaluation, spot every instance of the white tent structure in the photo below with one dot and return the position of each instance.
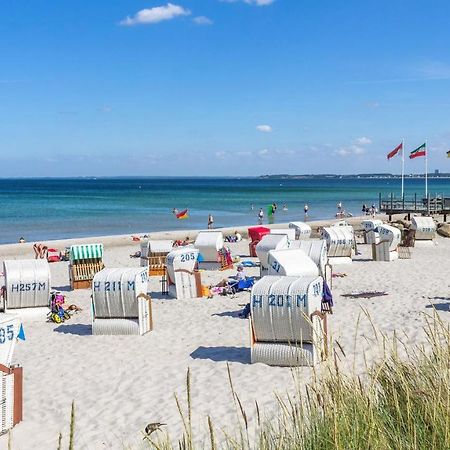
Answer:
(386, 249)
(266, 244)
(288, 328)
(183, 280)
(340, 243)
(291, 262)
(11, 377)
(302, 230)
(27, 287)
(425, 229)
(120, 304)
(289, 232)
(153, 255)
(371, 236)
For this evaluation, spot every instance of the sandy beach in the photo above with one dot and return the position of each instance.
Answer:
(121, 383)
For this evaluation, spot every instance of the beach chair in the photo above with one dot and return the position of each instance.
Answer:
(340, 241)
(289, 232)
(210, 245)
(266, 244)
(371, 235)
(287, 325)
(184, 281)
(27, 288)
(291, 262)
(11, 376)
(154, 254)
(120, 304)
(302, 230)
(255, 234)
(387, 248)
(425, 230)
(85, 261)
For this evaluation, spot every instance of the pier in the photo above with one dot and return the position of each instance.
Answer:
(429, 206)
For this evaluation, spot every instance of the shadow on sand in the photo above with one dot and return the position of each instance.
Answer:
(229, 354)
(79, 329)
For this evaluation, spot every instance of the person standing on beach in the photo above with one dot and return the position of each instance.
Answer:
(210, 222)
(260, 216)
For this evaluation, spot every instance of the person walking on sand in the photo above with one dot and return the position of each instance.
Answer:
(210, 222)
(260, 216)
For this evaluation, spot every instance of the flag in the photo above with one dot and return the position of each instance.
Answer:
(419, 151)
(183, 214)
(395, 151)
(448, 154)
(21, 334)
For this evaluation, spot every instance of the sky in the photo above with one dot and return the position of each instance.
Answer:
(222, 87)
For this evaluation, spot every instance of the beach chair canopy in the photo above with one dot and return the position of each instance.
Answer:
(289, 232)
(316, 250)
(339, 241)
(371, 224)
(181, 258)
(281, 308)
(270, 242)
(257, 233)
(86, 251)
(425, 227)
(27, 283)
(115, 291)
(208, 244)
(390, 234)
(291, 262)
(10, 324)
(302, 230)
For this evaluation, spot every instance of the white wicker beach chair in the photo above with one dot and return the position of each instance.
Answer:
(27, 288)
(120, 304)
(370, 235)
(387, 248)
(287, 326)
(289, 232)
(266, 244)
(425, 230)
(291, 262)
(183, 280)
(302, 230)
(340, 243)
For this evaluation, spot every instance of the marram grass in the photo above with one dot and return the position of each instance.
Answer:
(403, 403)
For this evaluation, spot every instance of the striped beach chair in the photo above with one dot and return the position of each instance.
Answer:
(287, 325)
(85, 261)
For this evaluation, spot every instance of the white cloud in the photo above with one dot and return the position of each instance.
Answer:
(264, 128)
(352, 150)
(202, 20)
(364, 141)
(251, 2)
(263, 152)
(156, 14)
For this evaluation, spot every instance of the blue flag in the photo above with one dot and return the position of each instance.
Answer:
(21, 334)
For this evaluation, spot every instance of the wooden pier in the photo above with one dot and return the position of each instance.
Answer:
(425, 206)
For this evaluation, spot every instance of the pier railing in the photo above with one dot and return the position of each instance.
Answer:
(437, 204)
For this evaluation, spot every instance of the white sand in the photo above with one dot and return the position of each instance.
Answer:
(121, 383)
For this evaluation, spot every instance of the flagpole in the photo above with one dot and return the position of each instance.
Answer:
(403, 165)
(426, 169)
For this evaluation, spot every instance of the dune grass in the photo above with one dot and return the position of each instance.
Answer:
(402, 403)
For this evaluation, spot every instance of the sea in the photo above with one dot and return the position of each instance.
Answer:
(56, 208)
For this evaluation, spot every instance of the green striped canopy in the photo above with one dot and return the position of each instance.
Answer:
(86, 251)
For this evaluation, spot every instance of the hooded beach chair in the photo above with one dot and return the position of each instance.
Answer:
(287, 325)
(27, 288)
(255, 234)
(210, 245)
(371, 235)
(340, 242)
(120, 304)
(266, 244)
(387, 248)
(184, 281)
(154, 254)
(302, 230)
(289, 232)
(424, 230)
(85, 261)
(11, 376)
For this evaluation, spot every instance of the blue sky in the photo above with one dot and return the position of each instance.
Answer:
(211, 87)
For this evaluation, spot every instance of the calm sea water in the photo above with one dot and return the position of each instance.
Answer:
(39, 209)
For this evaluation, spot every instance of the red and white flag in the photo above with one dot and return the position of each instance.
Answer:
(395, 151)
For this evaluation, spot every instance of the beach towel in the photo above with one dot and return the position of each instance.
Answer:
(248, 264)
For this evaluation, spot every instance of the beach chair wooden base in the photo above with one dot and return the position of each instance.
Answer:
(11, 407)
(82, 274)
(82, 284)
(404, 252)
(381, 252)
(286, 354)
